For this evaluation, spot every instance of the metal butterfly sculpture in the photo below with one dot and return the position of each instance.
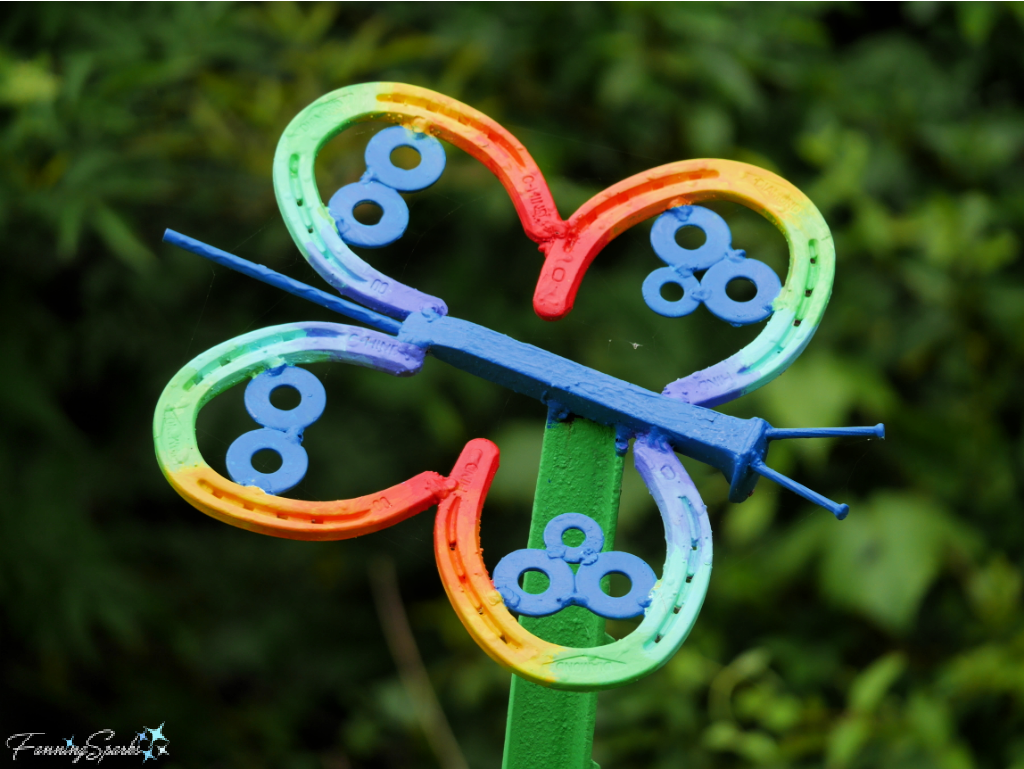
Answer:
(404, 324)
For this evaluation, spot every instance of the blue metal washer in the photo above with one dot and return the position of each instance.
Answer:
(740, 313)
(511, 567)
(717, 243)
(632, 604)
(686, 304)
(593, 537)
(393, 220)
(294, 460)
(312, 398)
(429, 170)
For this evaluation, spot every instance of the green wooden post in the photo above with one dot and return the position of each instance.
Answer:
(579, 473)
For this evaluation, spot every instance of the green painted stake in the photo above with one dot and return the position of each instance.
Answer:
(579, 473)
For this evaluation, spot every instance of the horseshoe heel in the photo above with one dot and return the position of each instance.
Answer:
(248, 507)
(675, 600)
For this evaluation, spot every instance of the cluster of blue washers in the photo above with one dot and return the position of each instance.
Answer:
(381, 184)
(722, 263)
(582, 588)
(281, 430)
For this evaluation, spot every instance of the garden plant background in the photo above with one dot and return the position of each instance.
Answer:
(893, 639)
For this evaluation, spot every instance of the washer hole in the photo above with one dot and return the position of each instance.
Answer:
(741, 290)
(285, 398)
(573, 537)
(671, 291)
(537, 585)
(367, 213)
(618, 584)
(266, 461)
(690, 237)
(404, 156)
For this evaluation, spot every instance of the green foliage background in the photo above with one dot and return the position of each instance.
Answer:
(893, 639)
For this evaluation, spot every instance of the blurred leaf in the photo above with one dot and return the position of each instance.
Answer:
(121, 240)
(27, 82)
(872, 685)
(995, 591)
(976, 20)
(882, 560)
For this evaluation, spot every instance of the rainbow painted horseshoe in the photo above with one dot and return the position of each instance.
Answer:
(675, 601)
(413, 323)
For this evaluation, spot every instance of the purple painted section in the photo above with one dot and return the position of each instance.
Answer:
(363, 346)
(354, 278)
(686, 520)
(714, 385)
